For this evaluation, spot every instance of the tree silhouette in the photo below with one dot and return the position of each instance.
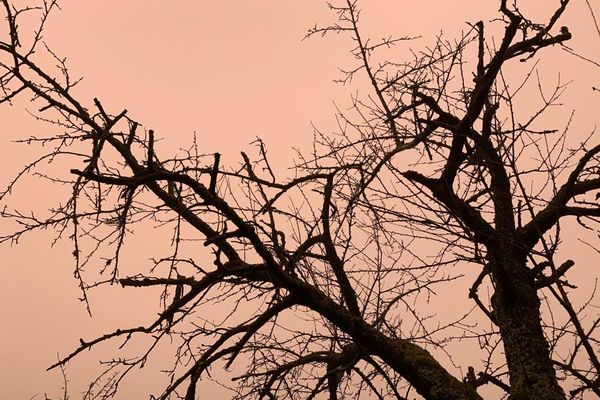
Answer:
(325, 276)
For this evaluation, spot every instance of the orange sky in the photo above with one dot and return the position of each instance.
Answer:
(229, 71)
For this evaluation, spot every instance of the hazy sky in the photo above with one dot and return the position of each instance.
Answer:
(229, 71)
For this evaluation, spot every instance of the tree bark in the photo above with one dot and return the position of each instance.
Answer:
(516, 310)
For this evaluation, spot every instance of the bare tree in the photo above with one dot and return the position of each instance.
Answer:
(326, 275)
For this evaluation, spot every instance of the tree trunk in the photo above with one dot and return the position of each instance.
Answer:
(516, 309)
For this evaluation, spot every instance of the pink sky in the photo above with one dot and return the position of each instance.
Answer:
(229, 71)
